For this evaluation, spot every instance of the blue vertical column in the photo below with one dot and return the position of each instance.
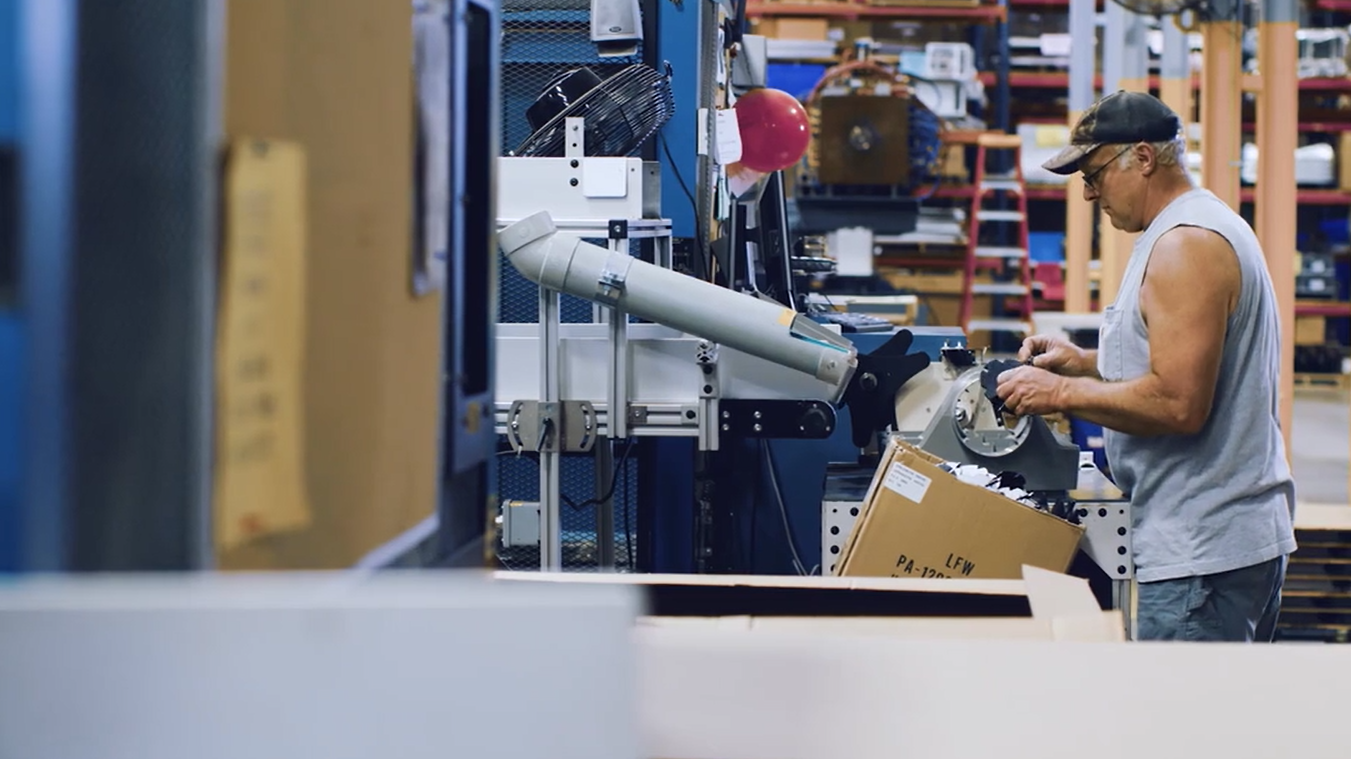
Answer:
(11, 347)
(678, 44)
(668, 509)
(44, 32)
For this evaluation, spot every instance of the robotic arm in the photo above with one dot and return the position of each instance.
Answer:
(762, 328)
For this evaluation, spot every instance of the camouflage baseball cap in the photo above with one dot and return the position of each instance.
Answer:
(1120, 118)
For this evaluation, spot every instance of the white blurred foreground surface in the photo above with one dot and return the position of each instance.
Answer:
(736, 694)
(431, 665)
(315, 666)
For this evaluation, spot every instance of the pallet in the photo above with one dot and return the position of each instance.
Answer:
(1316, 599)
(1326, 381)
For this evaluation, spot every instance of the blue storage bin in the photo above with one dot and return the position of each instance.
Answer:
(1336, 231)
(1046, 247)
(797, 79)
(1088, 436)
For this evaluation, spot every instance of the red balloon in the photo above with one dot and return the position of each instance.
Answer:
(774, 129)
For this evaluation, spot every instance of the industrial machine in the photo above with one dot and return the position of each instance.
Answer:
(736, 365)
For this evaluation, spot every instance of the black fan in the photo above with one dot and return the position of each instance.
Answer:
(1160, 7)
(620, 112)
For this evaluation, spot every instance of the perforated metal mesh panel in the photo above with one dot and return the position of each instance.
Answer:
(542, 39)
(518, 479)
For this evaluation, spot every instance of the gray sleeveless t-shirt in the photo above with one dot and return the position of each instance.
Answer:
(1223, 498)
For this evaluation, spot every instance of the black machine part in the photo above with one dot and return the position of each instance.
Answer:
(871, 394)
(792, 419)
(989, 381)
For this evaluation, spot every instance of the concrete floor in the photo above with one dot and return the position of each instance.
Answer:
(1321, 439)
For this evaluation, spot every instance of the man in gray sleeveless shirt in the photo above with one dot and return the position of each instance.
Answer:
(1184, 382)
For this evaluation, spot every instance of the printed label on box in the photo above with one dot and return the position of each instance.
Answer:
(907, 482)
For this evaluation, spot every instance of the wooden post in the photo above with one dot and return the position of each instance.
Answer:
(1125, 67)
(1078, 213)
(1221, 102)
(1175, 72)
(1277, 127)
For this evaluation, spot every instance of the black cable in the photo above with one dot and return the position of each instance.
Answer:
(562, 496)
(694, 205)
(628, 531)
(757, 490)
(614, 481)
(783, 508)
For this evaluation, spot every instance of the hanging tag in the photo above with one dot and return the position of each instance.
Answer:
(728, 132)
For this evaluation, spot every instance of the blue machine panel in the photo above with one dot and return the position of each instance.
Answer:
(11, 345)
(9, 70)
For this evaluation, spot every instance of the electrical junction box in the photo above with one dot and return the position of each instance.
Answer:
(578, 189)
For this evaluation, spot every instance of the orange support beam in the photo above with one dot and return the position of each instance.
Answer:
(1277, 135)
(1221, 106)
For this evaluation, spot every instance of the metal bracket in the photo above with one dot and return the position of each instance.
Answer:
(567, 427)
(1107, 537)
(637, 416)
(610, 283)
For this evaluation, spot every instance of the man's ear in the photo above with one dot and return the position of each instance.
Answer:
(1144, 155)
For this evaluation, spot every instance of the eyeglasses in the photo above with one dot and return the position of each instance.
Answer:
(1090, 177)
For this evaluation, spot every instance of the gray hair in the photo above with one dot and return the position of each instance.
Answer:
(1166, 153)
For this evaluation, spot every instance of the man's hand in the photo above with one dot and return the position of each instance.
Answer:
(1031, 391)
(1056, 354)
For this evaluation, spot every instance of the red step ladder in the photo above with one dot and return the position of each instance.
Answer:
(1011, 262)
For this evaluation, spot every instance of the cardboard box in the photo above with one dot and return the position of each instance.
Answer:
(335, 78)
(1311, 330)
(1040, 605)
(787, 28)
(920, 521)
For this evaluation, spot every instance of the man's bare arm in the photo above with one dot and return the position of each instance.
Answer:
(1189, 291)
(1088, 365)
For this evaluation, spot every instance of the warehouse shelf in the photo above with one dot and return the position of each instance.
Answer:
(1309, 197)
(1305, 126)
(984, 13)
(1317, 5)
(1322, 308)
(1061, 80)
(1065, 4)
(1056, 80)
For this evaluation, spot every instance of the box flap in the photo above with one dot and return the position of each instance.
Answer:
(1052, 594)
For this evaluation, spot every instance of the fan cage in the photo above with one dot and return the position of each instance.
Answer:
(620, 115)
